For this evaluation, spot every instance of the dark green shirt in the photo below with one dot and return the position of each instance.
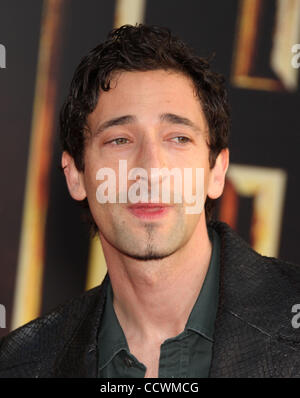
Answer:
(186, 355)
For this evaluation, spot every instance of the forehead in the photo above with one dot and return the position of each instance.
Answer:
(147, 95)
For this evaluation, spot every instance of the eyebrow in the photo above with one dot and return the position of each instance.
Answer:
(176, 119)
(171, 118)
(118, 121)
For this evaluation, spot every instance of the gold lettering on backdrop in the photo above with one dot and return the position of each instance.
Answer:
(267, 187)
(28, 290)
(286, 36)
(286, 32)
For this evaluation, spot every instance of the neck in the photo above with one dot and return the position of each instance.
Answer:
(153, 299)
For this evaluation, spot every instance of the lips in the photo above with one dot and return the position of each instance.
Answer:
(149, 210)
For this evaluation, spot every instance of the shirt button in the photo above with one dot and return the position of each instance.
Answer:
(128, 362)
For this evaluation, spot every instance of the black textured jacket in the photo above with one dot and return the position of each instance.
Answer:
(254, 336)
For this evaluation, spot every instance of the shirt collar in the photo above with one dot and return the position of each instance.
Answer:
(111, 332)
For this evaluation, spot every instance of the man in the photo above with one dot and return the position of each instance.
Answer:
(184, 296)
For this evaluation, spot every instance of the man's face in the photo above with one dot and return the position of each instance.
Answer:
(150, 112)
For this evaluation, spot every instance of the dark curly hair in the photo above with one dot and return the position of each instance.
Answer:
(141, 48)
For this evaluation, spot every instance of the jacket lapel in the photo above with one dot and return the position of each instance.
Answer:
(241, 347)
(79, 358)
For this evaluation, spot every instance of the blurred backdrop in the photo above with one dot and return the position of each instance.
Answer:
(47, 256)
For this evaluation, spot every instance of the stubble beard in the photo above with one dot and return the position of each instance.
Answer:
(153, 246)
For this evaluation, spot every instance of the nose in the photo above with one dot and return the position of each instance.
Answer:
(151, 154)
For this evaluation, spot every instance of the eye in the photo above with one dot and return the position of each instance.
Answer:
(118, 141)
(181, 140)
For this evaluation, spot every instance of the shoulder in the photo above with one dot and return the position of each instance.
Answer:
(43, 338)
(257, 323)
(240, 259)
(262, 289)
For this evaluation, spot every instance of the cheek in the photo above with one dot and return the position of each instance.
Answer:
(207, 171)
(91, 183)
(203, 173)
(207, 175)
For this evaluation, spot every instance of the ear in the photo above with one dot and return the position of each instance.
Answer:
(74, 178)
(217, 175)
